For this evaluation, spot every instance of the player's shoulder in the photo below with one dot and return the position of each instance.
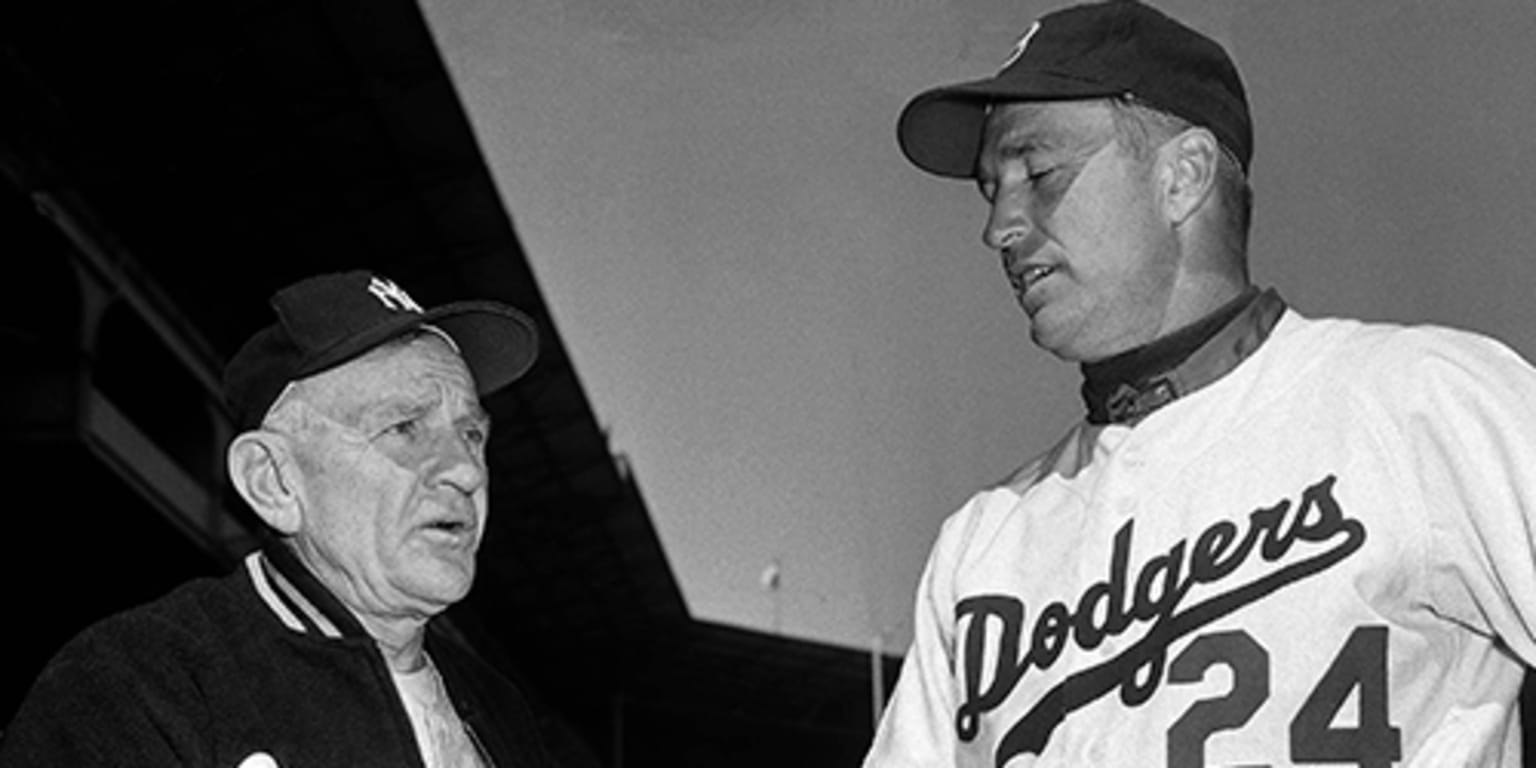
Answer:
(1350, 342)
(987, 508)
(175, 624)
(1401, 360)
(1336, 341)
(1064, 458)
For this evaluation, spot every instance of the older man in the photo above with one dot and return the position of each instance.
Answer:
(1272, 540)
(364, 453)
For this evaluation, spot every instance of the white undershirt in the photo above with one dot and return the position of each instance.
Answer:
(440, 734)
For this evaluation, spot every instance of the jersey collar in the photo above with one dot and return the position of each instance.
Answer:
(1127, 387)
(296, 597)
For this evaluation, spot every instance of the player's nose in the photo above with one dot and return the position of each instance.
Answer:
(1008, 223)
(459, 463)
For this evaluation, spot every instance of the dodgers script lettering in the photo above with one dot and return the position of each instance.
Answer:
(1152, 598)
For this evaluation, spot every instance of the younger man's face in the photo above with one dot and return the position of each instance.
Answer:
(1078, 223)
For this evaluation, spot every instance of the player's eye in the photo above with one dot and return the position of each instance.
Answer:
(476, 435)
(405, 428)
(988, 190)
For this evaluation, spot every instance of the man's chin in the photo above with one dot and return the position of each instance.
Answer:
(442, 584)
(1052, 339)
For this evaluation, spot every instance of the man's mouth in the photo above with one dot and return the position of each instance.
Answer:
(452, 528)
(1028, 277)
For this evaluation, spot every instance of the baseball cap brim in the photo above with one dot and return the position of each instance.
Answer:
(940, 130)
(497, 342)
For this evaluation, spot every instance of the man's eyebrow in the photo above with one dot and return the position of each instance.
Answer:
(478, 414)
(1025, 141)
(1015, 144)
(390, 407)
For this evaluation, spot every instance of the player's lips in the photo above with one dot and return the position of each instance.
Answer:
(1027, 260)
(1026, 275)
(452, 528)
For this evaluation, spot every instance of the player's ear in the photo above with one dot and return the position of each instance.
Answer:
(1188, 173)
(263, 470)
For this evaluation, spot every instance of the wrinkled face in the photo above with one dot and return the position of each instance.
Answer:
(392, 453)
(1078, 224)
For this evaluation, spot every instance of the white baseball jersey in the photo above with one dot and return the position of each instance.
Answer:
(1327, 556)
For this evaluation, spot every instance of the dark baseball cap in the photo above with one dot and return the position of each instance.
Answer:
(1116, 48)
(326, 320)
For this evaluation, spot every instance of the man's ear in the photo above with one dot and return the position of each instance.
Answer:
(1189, 173)
(262, 469)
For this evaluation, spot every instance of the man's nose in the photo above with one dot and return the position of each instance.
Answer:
(460, 462)
(1008, 222)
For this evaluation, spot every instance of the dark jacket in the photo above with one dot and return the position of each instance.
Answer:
(264, 660)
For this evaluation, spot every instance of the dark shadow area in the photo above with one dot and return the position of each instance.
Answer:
(163, 168)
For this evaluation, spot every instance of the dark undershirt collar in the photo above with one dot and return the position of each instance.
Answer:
(1124, 388)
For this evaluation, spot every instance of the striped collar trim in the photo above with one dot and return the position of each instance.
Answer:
(285, 600)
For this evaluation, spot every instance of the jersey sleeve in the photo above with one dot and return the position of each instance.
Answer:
(1467, 422)
(918, 728)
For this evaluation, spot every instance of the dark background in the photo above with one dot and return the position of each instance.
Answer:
(167, 166)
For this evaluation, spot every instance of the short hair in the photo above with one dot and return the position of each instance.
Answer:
(286, 415)
(1141, 129)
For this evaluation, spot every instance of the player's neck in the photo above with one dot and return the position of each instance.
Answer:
(402, 641)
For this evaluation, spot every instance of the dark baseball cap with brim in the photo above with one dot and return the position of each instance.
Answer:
(326, 320)
(1120, 48)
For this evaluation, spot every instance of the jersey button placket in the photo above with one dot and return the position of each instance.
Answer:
(1125, 481)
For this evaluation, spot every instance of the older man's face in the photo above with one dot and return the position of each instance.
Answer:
(393, 458)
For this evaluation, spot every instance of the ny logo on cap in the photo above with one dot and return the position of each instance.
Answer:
(392, 296)
(1018, 48)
